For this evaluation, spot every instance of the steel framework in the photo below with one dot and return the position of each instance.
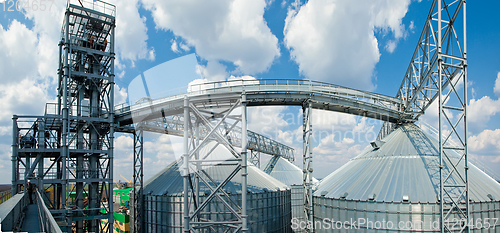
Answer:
(438, 70)
(138, 182)
(69, 150)
(307, 161)
(195, 219)
(257, 143)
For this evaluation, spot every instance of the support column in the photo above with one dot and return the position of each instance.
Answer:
(15, 163)
(244, 174)
(307, 161)
(138, 197)
(185, 165)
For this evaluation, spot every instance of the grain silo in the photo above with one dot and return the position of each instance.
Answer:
(397, 181)
(291, 175)
(269, 205)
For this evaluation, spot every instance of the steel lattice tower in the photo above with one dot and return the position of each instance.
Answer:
(68, 152)
(86, 91)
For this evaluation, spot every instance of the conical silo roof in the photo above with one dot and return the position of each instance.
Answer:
(405, 163)
(285, 171)
(170, 181)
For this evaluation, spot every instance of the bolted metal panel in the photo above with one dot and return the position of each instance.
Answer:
(407, 164)
(267, 212)
(377, 216)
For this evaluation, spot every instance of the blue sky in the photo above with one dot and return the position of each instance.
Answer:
(365, 45)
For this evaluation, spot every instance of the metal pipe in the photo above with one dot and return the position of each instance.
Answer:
(64, 146)
(244, 172)
(185, 173)
(112, 125)
(15, 170)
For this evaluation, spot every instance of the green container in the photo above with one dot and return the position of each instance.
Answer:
(124, 218)
(123, 194)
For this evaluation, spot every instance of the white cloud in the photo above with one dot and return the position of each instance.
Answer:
(335, 41)
(27, 97)
(497, 85)
(213, 71)
(229, 30)
(486, 143)
(18, 45)
(120, 95)
(480, 111)
(131, 32)
(174, 47)
(267, 120)
(391, 46)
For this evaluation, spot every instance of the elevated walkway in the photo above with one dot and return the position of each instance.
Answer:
(17, 214)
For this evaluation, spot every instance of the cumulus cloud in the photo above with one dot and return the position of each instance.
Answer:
(120, 94)
(497, 85)
(18, 45)
(229, 30)
(213, 71)
(485, 143)
(131, 32)
(335, 41)
(480, 111)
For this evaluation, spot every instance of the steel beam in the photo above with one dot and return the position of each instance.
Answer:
(138, 182)
(307, 161)
(438, 71)
(217, 125)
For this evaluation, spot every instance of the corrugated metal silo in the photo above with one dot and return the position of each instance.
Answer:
(397, 181)
(291, 175)
(269, 204)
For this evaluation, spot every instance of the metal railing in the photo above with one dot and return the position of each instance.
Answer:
(47, 221)
(271, 85)
(5, 195)
(96, 5)
(11, 212)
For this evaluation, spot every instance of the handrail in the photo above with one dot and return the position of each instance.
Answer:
(5, 195)
(313, 86)
(11, 212)
(47, 221)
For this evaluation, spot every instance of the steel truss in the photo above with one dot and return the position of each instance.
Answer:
(138, 182)
(307, 161)
(195, 217)
(438, 70)
(257, 143)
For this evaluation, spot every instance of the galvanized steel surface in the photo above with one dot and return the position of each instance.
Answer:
(169, 181)
(285, 171)
(267, 212)
(406, 164)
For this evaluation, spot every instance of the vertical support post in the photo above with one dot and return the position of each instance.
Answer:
(244, 171)
(307, 168)
(185, 173)
(112, 127)
(15, 163)
(454, 185)
(440, 135)
(138, 207)
(466, 127)
(64, 145)
(198, 166)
